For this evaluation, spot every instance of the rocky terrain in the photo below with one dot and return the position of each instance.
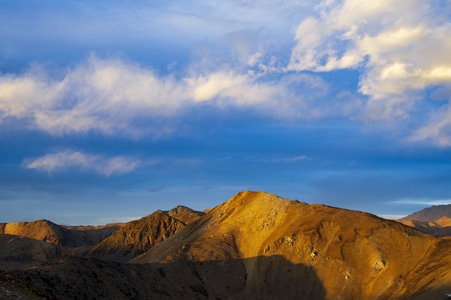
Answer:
(254, 246)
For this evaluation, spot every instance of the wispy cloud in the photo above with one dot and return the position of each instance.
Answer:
(438, 128)
(428, 202)
(289, 160)
(283, 160)
(67, 159)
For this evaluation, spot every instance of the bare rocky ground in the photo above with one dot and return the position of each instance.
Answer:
(254, 246)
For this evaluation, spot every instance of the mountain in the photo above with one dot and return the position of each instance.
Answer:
(42, 230)
(435, 220)
(351, 253)
(430, 214)
(138, 236)
(69, 236)
(254, 246)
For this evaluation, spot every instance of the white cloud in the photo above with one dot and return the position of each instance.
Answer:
(98, 95)
(401, 48)
(400, 41)
(115, 97)
(106, 166)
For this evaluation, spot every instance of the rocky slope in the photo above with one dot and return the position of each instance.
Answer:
(254, 246)
(138, 236)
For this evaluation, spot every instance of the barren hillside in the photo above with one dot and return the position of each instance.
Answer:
(282, 242)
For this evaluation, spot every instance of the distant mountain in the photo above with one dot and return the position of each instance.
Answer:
(70, 236)
(435, 220)
(430, 214)
(254, 246)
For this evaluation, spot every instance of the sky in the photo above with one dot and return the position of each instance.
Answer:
(110, 110)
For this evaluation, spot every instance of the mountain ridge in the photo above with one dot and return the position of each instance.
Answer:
(256, 245)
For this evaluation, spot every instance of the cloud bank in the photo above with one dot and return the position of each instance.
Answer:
(399, 51)
(114, 96)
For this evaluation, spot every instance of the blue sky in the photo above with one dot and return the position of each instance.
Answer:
(110, 110)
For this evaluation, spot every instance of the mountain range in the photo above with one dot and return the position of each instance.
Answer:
(254, 246)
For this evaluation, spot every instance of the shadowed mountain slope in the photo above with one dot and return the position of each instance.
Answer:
(75, 278)
(20, 252)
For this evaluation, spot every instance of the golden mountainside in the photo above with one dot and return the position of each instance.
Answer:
(281, 242)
